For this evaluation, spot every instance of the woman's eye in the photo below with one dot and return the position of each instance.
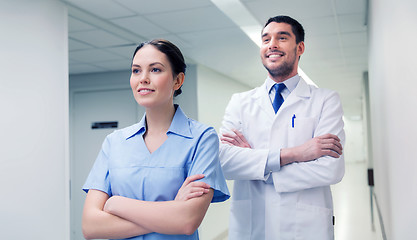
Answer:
(156, 70)
(135, 70)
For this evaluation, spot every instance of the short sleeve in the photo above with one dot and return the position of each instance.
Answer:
(206, 161)
(98, 177)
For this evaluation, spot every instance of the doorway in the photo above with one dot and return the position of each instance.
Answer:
(89, 112)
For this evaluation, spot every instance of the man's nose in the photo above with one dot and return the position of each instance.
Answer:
(273, 44)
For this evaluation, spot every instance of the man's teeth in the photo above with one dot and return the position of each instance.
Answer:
(274, 56)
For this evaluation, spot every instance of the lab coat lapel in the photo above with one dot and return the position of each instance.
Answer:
(302, 91)
(261, 97)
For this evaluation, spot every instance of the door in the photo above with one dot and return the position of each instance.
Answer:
(90, 107)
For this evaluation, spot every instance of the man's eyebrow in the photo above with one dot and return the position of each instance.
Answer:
(278, 33)
(284, 33)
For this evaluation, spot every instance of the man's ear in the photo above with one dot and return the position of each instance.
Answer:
(300, 48)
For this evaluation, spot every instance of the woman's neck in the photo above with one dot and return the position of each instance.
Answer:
(158, 120)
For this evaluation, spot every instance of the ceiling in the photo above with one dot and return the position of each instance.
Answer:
(103, 34)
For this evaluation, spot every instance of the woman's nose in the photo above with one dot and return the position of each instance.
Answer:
(144, 78)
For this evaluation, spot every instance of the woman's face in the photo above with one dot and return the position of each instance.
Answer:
(152, 80)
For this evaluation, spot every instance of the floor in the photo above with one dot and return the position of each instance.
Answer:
(351, 198)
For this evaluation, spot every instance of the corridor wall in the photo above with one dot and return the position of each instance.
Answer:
(393, 98)
(34, 120)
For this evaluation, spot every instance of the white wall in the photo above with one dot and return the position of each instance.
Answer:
(34, 120)
(214, 92)
(114, 79)
(393, 84)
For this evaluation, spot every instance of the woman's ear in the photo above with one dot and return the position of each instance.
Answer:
(179, 80)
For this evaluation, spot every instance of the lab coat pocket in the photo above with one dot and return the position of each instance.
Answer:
(240, 220)
(300, 130)
(313, 222)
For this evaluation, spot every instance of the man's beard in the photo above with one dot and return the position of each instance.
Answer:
(284, 70)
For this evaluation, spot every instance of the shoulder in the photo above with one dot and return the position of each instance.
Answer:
(239, 100)
(326, 99)
(124, 133)
(315, 92)
(199, 129)
(324, 93)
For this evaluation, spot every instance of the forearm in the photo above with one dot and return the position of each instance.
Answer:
(239, 163)
(308, 167)
(315, 148)
(243, 163)
(287, 156)
(321, 172)
(168, 217)
(97, 223)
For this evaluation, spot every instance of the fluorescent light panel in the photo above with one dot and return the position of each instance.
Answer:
(240, 15)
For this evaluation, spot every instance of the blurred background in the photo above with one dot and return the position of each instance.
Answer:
(66, 68)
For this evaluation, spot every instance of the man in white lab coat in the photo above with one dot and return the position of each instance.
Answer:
(283, 147)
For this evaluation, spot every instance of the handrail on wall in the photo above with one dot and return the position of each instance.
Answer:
(372, 197)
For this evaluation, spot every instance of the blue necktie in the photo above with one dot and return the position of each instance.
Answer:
(278, 97)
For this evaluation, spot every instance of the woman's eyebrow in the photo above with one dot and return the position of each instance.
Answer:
(152, 64)
(156, 63)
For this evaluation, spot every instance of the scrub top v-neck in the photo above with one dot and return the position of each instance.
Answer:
(125, 166)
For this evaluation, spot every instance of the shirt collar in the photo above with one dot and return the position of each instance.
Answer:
(179, 125)
(290, 83)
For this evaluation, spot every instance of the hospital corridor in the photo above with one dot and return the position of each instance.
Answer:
(65, 85)
(352, 205)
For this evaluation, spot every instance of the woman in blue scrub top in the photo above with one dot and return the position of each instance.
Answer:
(154, 179)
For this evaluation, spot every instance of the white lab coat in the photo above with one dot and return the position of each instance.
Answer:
(296, 204)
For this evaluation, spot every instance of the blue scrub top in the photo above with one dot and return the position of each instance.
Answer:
(125, 167)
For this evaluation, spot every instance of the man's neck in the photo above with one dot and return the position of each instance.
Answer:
(280, 79)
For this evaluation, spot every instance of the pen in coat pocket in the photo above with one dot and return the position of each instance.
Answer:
(293, 117)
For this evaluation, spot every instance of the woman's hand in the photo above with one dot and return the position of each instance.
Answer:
(191, 189)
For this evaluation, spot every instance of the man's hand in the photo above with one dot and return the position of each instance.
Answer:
(235, 139)
(324, 145)
(191, 189)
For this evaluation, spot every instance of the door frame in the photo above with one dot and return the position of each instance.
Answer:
(69, 164)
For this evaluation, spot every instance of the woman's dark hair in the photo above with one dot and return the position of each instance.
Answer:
(173, 53)
(296, 27)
